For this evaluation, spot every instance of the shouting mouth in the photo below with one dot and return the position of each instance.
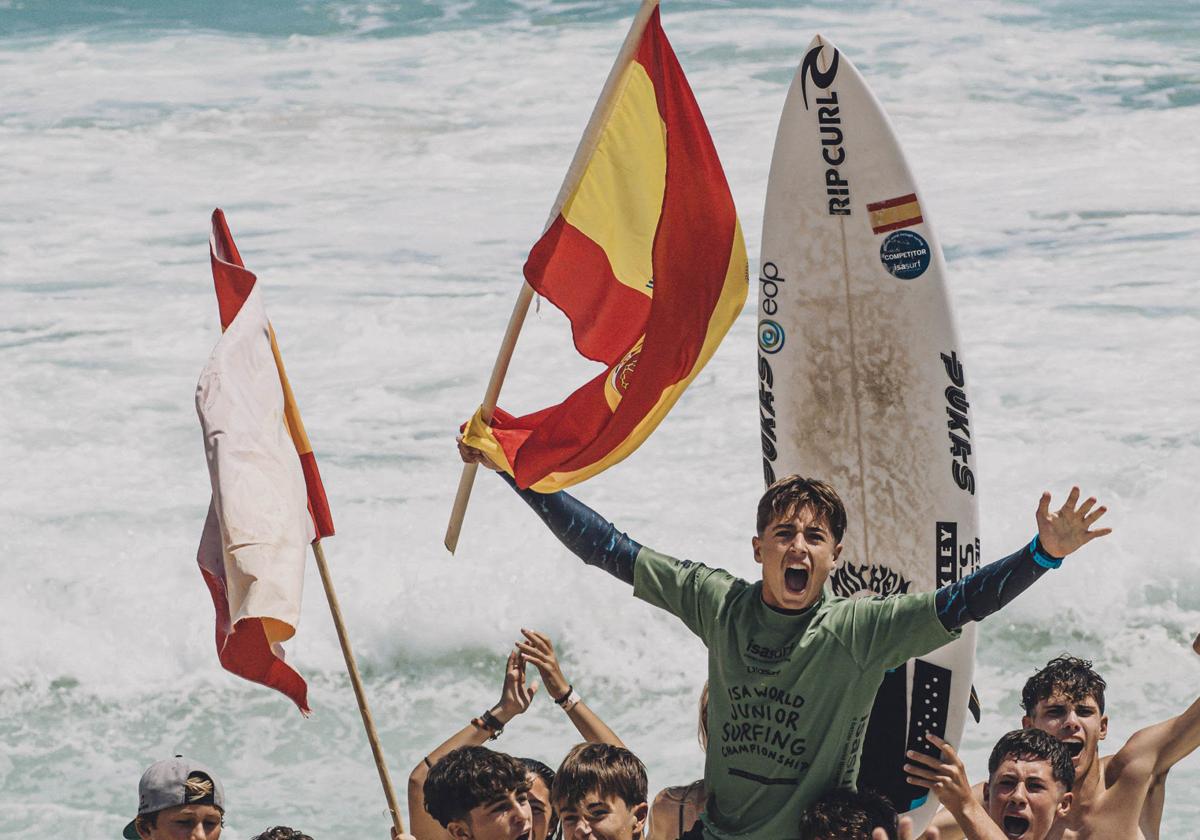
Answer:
(796, 580)
(1074, 748)
(1015, 826)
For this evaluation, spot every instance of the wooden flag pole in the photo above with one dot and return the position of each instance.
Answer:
(583, 154)
(359, 693)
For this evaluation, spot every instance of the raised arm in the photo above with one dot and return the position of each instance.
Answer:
(993, 587)
(538, 649)
(515, 697)
(1156, 749)
(589, 536)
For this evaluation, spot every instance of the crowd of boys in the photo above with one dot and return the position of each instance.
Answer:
(787, 635)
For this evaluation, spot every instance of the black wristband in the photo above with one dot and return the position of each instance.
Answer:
(566, 694)
(491, 723)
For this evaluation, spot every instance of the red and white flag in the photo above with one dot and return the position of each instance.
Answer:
(268, 503)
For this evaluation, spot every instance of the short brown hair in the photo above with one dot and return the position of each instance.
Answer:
(1066, 675)
(844, 814)
(602, 769)
(792, 493)
(468, 777)
(1034, 745)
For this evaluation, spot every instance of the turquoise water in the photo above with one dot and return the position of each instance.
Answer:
(385, 168)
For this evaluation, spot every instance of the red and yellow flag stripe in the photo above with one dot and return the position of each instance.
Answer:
(647, 261)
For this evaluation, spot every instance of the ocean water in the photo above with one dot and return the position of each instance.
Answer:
(385, 168)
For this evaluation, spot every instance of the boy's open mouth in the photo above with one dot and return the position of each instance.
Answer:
(796, 580)
(1074, 748)
(1015, 826)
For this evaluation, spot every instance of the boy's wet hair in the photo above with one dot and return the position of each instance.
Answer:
(282, 832)
(468, 777)
(844, 814)
(539, 768)
(601, 769)
(1034, 745)
(543, 772)
(1066, 675)
(793, 493)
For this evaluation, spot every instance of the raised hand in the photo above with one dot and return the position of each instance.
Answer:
(515, 696)
(946, 777)
(539, 650)
(1066, 529)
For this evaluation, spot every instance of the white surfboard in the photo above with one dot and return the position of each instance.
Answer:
(862, 383)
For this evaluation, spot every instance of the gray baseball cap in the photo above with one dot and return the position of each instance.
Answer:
(163, 786)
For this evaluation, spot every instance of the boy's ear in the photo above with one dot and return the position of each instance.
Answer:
(1026, 722)
(837, 552)
(459, 830)
(640, 812)
(1103, 727)
(1064, 804)
(756, 543)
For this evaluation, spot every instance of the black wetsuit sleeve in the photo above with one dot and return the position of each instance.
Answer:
(591, 537)
(987, 590)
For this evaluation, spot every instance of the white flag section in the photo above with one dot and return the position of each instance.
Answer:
(256, 540)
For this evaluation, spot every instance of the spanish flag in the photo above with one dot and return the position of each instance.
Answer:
(646, 259)
(268, 502)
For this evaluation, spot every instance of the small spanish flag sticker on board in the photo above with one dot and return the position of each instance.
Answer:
(895, 213)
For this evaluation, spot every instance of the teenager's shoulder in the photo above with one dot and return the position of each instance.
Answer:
(656, 562)
(837, 606)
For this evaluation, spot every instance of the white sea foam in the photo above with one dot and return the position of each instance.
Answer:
(385, 175)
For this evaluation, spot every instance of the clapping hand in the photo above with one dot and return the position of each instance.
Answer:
(1062, 531)
(539, 650)
(516, 695)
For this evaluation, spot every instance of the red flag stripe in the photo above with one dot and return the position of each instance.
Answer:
(553, 268)
(892, 202)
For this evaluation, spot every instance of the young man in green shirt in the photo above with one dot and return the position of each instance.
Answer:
(793, 671)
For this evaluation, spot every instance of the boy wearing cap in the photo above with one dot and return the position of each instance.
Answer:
(178, 799)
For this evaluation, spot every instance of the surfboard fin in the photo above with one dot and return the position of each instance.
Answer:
(973, 705)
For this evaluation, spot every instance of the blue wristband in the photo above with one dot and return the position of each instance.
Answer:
(1041, 557)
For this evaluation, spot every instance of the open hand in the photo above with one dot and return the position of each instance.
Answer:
(471, 455)
(538, 649)
(516, 696)
(1066, 529)
(946, 777)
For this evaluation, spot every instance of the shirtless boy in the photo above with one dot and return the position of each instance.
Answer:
(793, 671)
(1030, 776)
(1117, 796)
(477, 794)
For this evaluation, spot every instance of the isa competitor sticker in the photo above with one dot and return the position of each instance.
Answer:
(905, 254)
